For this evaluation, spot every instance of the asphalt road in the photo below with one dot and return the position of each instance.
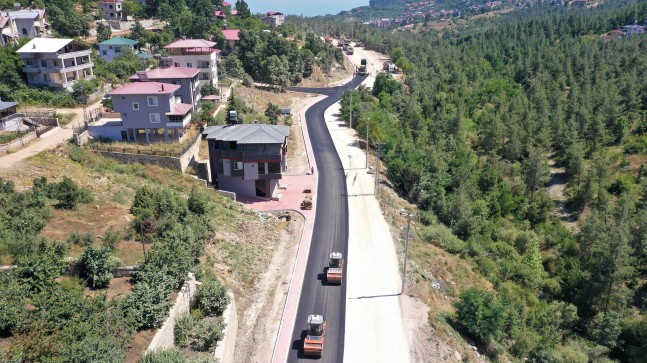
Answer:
(330, 233)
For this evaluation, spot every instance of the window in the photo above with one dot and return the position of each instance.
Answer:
(238, 165)
(43, 63)
(24, 31)
(261, 169)
(117, 50)
(189, 65)
(152, 101)
(274, 168)
(177, 64)
(135, 106)
(155, 118)
(104, 52)
(109, 6)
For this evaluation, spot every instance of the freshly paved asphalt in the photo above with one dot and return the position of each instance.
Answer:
(330, 233)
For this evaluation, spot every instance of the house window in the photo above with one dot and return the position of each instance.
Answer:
(117, 50)
(43, 63)
(104, 52)
(155, 118)
(177, 64)
(152, 101)
(274, 168)
(189, 65)
(24, 31)
(135, 106)
(238, 165)
(109, 6)
(261, 169)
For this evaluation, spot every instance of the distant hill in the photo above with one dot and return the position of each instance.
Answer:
(382, 3)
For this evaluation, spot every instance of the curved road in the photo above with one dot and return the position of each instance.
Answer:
(330, 233)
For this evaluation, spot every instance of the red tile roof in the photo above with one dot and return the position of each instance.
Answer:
(191, 43)
(231, 34)
(220, 14)
(270, 13)
(226, 4)
(179, 109)
(146, 88)
(172, 72)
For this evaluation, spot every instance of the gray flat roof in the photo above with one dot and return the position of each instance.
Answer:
(6, 105)
(248, 133)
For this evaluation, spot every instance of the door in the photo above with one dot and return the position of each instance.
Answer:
(261, 187)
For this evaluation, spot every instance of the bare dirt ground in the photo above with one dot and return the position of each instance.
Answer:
(556, 190)
(255, 260)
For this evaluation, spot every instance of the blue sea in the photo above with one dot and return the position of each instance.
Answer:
(303, 7)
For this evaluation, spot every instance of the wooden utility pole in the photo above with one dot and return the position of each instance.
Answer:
(378, 145)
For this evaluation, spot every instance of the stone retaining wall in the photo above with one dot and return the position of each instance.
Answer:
(165, 161)
(81, 139)
(18, 143)
(164, 337)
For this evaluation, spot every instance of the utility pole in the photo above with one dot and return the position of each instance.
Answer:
(366, 145)
(406, 245)
(350, 122)
(378, 145)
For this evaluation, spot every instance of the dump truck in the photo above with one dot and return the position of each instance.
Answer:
(335, 269)
(362, 70)
(313, 343)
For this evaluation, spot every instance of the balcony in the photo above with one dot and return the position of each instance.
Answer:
(253, 158)
(173, 122)
(79, 53)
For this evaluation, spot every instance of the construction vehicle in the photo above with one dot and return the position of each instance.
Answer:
(362, 70)
(335, 269)
(307, 202)
(234, 118)
(314, 341)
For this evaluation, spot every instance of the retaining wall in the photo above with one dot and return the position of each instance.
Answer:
(227, 346)
(18, 143)
(165, 161)
(164, 336)
(82, 139)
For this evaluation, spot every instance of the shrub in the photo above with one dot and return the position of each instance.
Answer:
(441, 236)
(183, 326)
(149, 302)
(81, 239)
(111, 239)
(69, 194)
(165, 355)
(211, 298)
(39, 268)
(248, 81)
(96, 267)
(13, 312)
(207, 334)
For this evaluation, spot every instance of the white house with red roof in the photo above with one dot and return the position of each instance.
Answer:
(196, 53)
(187, 78)
(273, 18)
(145, 112)
(232, 36)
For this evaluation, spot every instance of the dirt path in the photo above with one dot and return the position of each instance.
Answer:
(556, 190)
(47, 141)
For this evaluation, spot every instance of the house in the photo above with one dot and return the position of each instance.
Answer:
(186, 78)
(629, 30)
(8, 30)
(9, 120)
(115, 47)
(247, 159)
(232, 37)
(144, 112)
(112, 9)
(27, 23)
(56, 62)
(273, 19)
(196, 53)
(383, 23)
(221, 15)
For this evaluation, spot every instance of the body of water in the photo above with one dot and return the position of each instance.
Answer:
(303, 7)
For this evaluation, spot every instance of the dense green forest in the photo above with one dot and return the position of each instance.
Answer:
(471, 132)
